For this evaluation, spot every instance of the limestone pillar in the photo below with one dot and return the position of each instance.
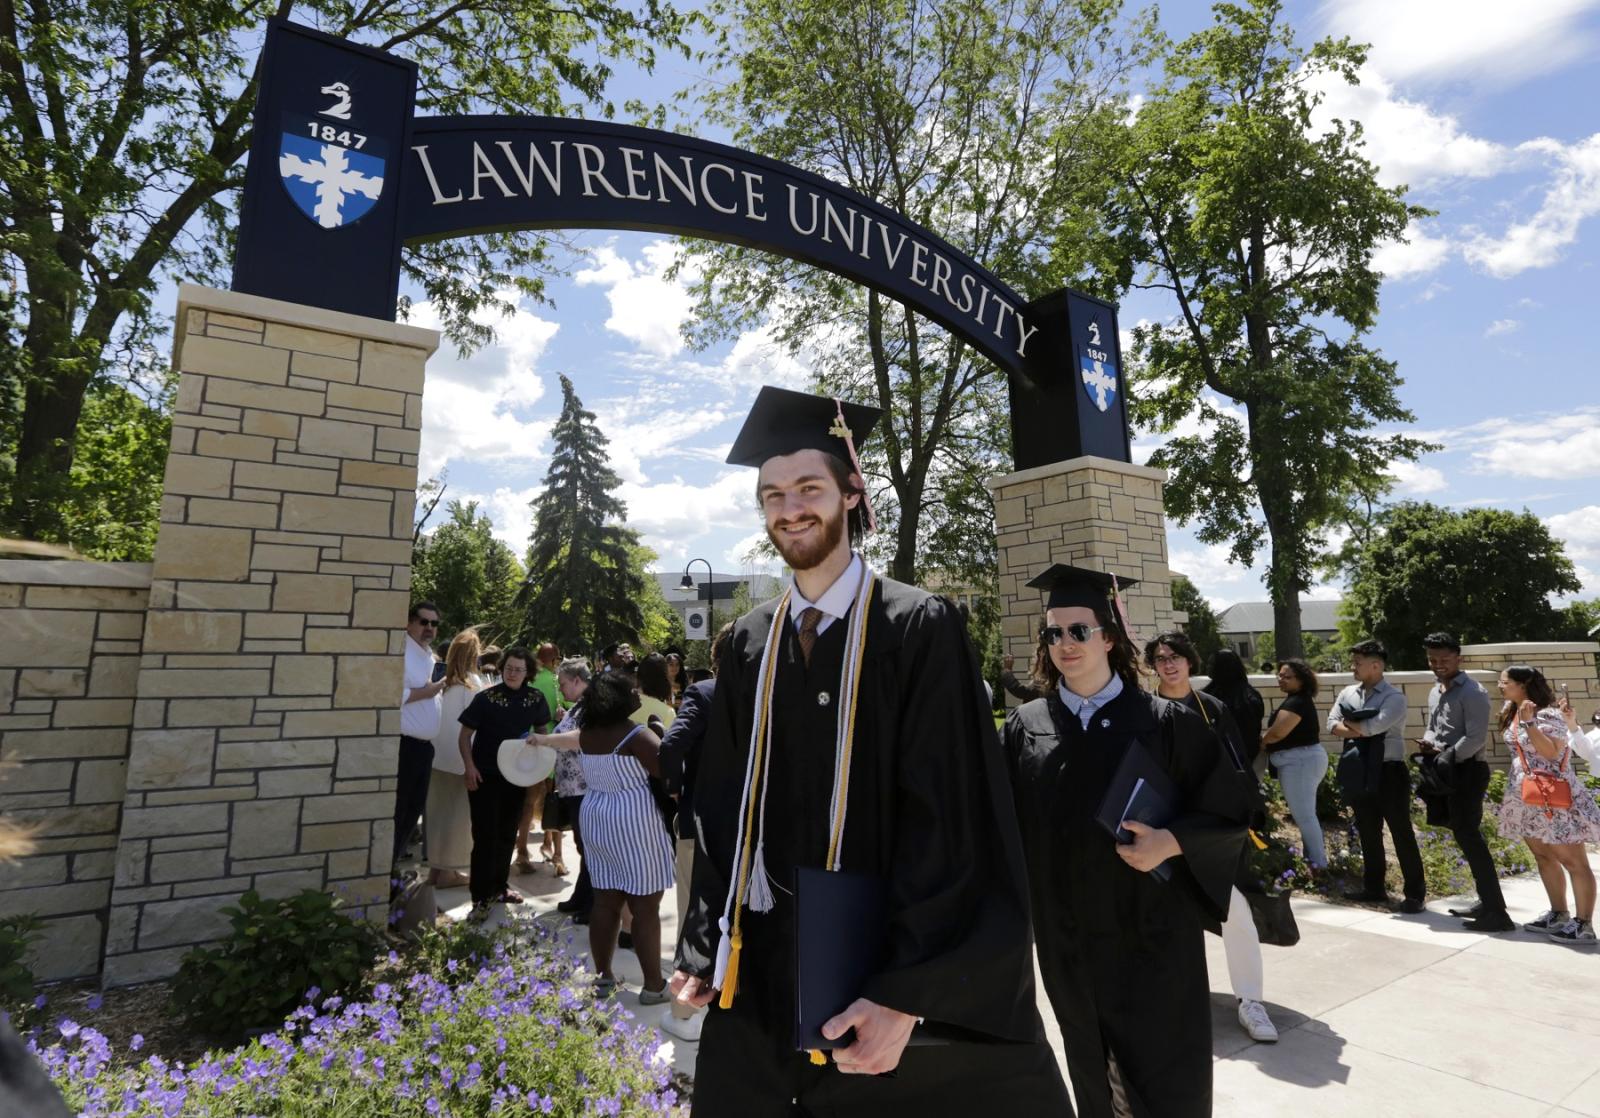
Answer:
(263, 751)
(1087, 511)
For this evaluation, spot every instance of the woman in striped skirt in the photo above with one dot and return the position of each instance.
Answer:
(625, 842)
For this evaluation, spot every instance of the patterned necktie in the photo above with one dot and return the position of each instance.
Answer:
(810, 618)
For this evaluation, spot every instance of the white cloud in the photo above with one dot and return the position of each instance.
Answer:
(646, 308)
(1414, 480)
(1539, 241)
(1561, 447)
(737, 556)
(1480, 39)
(1580, 531)
(1432, 292)
(475, 407)
(673, 516)
(1417, 255)
(1502, 326)
(1409, 141)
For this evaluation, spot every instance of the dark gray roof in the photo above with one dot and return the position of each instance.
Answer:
(1316, 616)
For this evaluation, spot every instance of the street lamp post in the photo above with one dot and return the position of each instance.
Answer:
(711, 594)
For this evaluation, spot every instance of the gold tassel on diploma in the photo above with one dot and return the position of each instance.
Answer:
(818, 1058)
(730, 981)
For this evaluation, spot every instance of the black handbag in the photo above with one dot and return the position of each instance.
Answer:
(1274, 919)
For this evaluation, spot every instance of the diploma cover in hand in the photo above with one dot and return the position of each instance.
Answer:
(1142, 791)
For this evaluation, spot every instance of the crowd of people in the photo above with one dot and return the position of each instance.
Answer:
(1106, 827)
(620, 781)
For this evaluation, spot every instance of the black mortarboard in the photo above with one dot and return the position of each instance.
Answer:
(782, 422)
(1078, 586)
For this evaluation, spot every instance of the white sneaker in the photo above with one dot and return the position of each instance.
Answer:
(684, 1028)
(1254, 1020)
(1549, 922)
(1579, 933)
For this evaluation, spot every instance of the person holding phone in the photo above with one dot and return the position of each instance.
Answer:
(1121, 949)
(1536, 733)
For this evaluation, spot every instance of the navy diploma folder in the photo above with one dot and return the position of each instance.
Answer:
(1142, 791)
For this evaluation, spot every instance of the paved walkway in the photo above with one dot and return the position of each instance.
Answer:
(1381, 1015)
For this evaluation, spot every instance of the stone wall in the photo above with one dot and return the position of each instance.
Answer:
(1569, 663)
(263, 749)
(1091, 512)
(69, 664)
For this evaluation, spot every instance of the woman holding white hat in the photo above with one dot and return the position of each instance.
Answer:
(498, 779)
(625, 841)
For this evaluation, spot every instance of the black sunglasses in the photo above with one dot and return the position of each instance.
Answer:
(1078, 631)
(432, 623)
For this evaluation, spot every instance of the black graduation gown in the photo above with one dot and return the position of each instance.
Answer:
(1120, 951)
(930, 814)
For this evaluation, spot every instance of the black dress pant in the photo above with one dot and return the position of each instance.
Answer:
(1391, 805)
(411, 788)
(1466, 819)
(582, 898)
(496, 810)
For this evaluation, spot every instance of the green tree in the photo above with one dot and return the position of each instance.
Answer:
(469, 574)
(1578, 619)
(983, 121)
(1485, 575)
(663, 624)
(585, 571)
(1263, 230)
(1202, 624)
(123, 129)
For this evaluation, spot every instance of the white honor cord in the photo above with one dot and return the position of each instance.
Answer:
(849, 683)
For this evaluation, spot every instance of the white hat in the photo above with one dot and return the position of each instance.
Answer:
(525, 764)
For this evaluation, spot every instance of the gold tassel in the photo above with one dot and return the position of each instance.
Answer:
(730, 981)
(1255, 838)
(818, 1058)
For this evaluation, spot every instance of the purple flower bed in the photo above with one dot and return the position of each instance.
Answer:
(518, 1034)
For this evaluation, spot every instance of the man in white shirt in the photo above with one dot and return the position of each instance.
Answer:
(419, 722)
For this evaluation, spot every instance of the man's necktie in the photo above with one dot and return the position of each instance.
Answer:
(810, 618)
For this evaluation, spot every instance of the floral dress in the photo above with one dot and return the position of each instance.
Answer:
(1580, 822)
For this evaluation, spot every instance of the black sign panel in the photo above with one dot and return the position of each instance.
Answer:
(340, 176)
(474, 174)
(1073, 400)
(322, 192)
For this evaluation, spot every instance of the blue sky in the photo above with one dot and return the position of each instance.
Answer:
(1485, 110)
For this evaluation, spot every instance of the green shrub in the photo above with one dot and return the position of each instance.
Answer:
(17, 933)
(278, 949)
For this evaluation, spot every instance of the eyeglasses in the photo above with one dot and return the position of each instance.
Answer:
(1078, 631)
(428, 622)
(1163, 661)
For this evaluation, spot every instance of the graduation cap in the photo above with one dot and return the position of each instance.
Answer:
(1080, 586)
(782, 422)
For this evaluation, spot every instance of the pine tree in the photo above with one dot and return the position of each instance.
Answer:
(585, 581)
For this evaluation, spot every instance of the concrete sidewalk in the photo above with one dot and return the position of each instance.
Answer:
(1380, 1015)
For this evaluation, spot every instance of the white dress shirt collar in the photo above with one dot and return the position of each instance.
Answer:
(834, 602)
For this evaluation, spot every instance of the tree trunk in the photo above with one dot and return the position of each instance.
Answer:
(53, 399)
(903, 567)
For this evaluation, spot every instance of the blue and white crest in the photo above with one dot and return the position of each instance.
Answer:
(1099, 381)
(332, 185)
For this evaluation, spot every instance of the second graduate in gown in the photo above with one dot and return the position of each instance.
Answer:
(1120, 944)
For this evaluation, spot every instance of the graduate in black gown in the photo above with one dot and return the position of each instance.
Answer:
(1120, 948)
(924, 808)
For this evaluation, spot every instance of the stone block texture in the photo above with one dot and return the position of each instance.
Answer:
(256, 621)
(69, 632)
(1091, 512)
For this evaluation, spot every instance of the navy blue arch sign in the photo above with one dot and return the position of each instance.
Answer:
(341, 175)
